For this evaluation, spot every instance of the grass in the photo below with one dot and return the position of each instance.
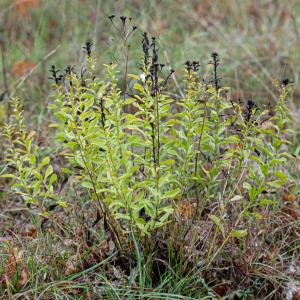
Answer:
(68, 230)
(257, 42)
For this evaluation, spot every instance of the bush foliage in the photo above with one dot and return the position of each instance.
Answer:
(177, 184)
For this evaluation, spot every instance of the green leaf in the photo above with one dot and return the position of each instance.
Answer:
(276, 183)
(215, 219)
(36, 189)
(29, 199)
(164, 218)
(48, 172)
(140, 223)
(87, 184)
(218, 223)
(239, 233)
(53, 179)
(286, 154)
(8, 176)
(257, 215)
(279, 161)
(44, 162)
(167, 162)
(264, 202)
(236, 198)
(280, 175)
(253, 193)
(171, 194)
(62, 203)
(122, 216)
(266, 150)
(255, 158)
(80, 161)
(231, 139)
(66, 171)
(32, 159)
(37, 175)
(134, 76)
(138, 87)
(89, 103)
(246, 186)
(99, 191)
(264, 169)
(168, 209)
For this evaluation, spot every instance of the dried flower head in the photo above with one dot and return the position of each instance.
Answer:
(111, 17)
(88, 47)
(286, 81)
(215, 62)
(146, 48)
(192, 66)
(58, 79)
(249, 111)
(123, 20)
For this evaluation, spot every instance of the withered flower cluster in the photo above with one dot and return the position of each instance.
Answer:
(192, 66)
(152, 65)
(249, 111)
(215, 62)
(88, 47)
(58, 79)
(125, 27)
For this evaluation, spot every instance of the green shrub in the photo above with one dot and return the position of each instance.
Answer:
(156, 165)
(32, 180)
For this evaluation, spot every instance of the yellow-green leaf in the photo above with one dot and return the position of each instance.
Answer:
(44, 162)
(239, 233)
(48, 172)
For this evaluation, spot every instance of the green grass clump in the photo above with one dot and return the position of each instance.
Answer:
(173, 197)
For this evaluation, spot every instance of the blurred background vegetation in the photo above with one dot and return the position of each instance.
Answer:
(258, 41)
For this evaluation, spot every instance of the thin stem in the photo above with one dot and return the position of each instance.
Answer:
(195, 175)
(4, 72)
(199, 141)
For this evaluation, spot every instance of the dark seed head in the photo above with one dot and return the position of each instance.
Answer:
(250, 103)
(2, 95)
(123, 20)
(111, 17)
(88, 48)
(286, 81)
(69, 70)
(214, 55)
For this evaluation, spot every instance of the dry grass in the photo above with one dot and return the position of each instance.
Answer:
(69, 259)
